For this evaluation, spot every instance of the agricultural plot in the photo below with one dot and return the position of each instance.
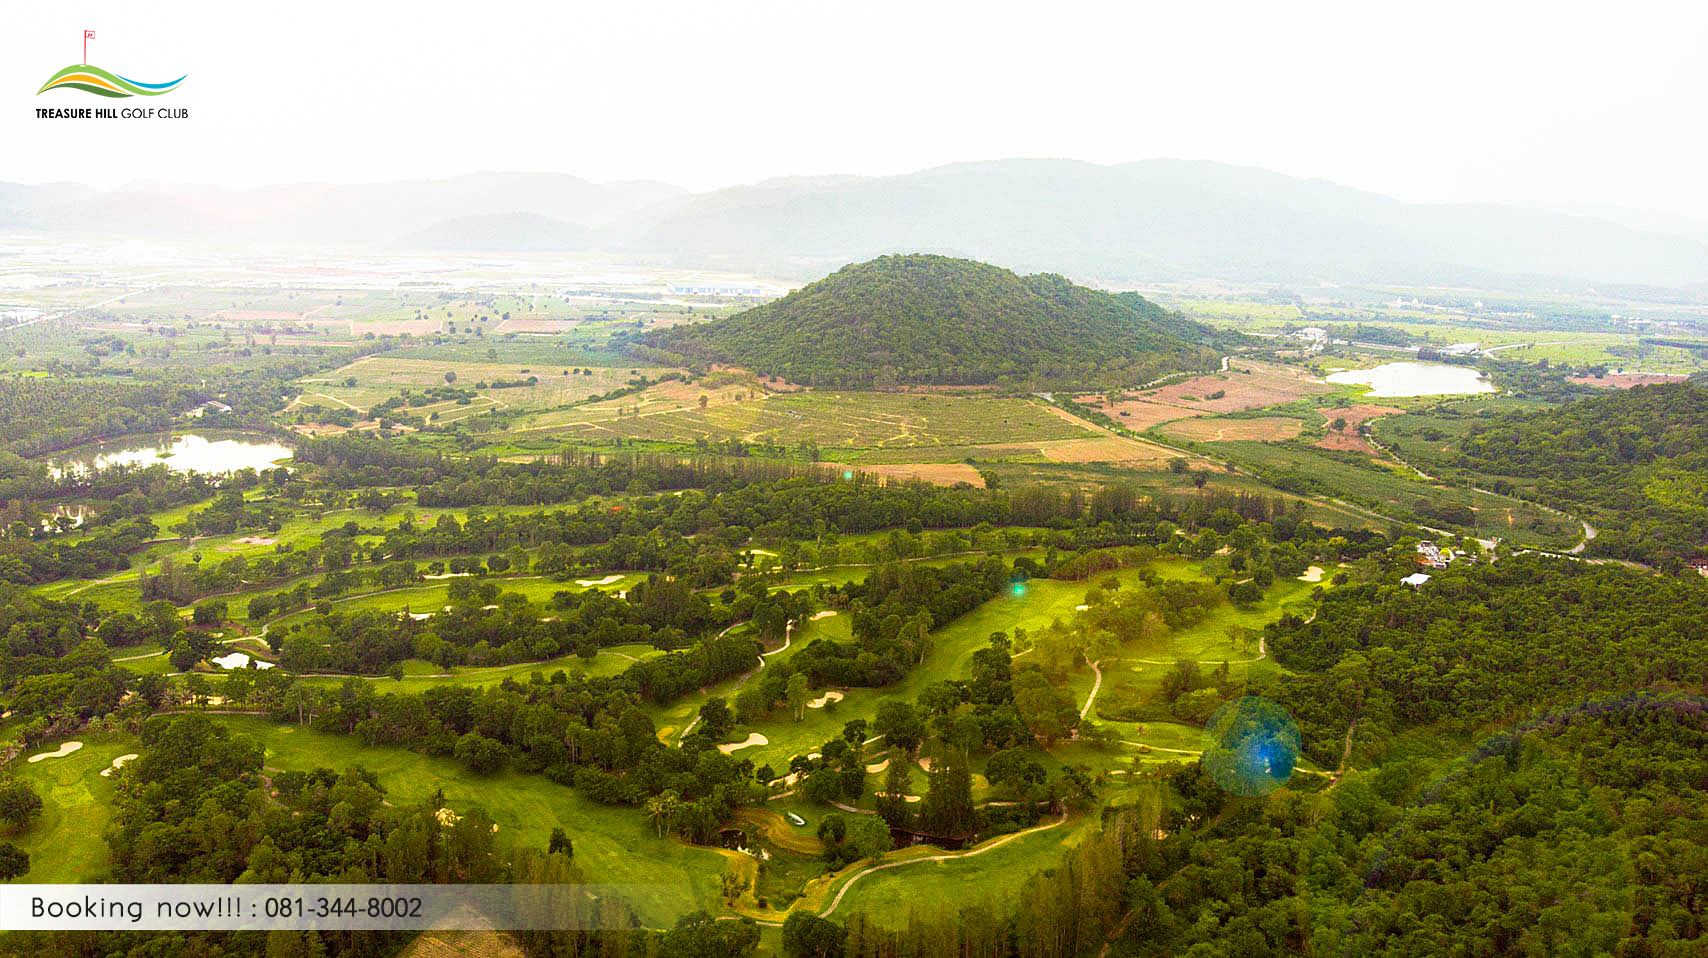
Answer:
(1347, 436)
(374, 379)
(1397, 492)
(1628, 380)
(834, 420)
(1247, 385)
(1265, 429)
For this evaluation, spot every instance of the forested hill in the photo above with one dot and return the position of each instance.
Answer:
(1635, 462)
(933, 320)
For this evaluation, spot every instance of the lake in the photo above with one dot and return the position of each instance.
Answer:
(1416, 379)
(189, 452)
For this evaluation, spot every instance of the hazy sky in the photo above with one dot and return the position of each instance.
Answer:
(1533, 103)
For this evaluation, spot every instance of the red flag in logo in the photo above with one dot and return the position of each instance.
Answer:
(87, 36)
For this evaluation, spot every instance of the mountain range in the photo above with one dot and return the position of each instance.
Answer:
(1155, 220)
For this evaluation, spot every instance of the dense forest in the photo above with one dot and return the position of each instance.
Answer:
(42, 415)
(1485, 644)
(932, 320)
(1634, 462)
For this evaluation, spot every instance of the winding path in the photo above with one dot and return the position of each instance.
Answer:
(991, 845)
(1096, 684)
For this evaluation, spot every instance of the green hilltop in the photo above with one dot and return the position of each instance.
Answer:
(932, 320)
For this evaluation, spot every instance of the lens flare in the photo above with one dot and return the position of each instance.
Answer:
(1250, 746)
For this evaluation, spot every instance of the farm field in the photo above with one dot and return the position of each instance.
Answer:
(833, 420)
(1347, 437)
(1247, 385)
(1398, 492)
(1214, 429)
(377, 378)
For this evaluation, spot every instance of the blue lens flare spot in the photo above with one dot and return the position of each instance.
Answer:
(1251, 746)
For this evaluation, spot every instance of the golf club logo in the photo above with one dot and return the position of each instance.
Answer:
(93, 79)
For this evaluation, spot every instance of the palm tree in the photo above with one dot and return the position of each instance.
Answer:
(661, 808)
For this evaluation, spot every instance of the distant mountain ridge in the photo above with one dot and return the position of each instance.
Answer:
(377, 214)
(1163, 220)
(1149, 221)
(515, 232)
(931, 320)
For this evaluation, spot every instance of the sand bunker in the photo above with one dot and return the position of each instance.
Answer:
(1313, 574)
(238, 660)
(753, 738)
(118, 763)
(65, 748)
(875, 769)
(824, 700)
(589, 583)
(827, 613)
(257, 541)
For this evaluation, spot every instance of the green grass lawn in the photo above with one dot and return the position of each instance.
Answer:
(893, 897)
(434, 596)
(952, 647)
(65, 844)
(612, 845)
(419, 676)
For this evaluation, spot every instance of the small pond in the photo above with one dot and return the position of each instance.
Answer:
(188, 452)
(1416, 379)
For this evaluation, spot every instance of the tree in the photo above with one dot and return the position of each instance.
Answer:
(806, 935)
(948, 806)
(209, 614)
(869, 837)
(698, 936)
(480, 754)
(1010, 768)
(19, 803)
(796, 692)
(1045, 708)
(892, 799)
(14, 862)
(717, 718)
(660, 809)
(450, 376)
(901, 724)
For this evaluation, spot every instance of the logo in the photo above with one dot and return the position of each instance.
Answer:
(93, 79)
